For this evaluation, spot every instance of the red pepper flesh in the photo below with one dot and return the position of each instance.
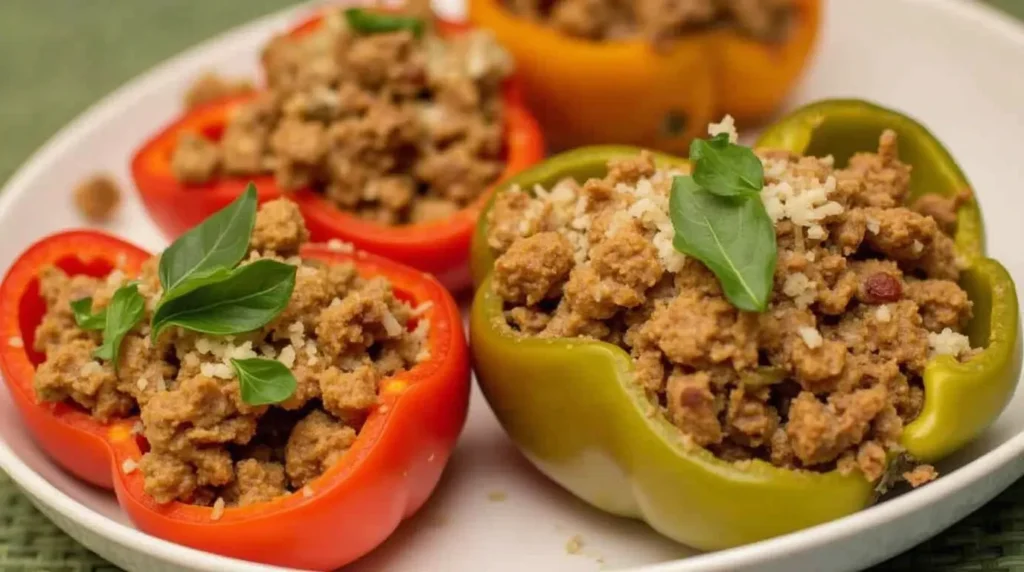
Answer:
(439, 247)
(355, 505)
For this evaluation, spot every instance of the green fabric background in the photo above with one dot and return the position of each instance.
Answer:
(59, 56)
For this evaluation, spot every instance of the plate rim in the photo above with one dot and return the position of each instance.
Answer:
(41, 490)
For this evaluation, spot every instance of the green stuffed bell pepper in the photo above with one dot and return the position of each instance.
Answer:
(574, 409)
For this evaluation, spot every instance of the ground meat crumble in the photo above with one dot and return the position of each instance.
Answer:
(657, 20)
(865, 293)
(394, 128)
(340, 334)
(211, 86)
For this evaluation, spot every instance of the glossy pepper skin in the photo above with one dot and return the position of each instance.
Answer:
(439, 247)
(624, 92)
(572, 407)
(384, 478)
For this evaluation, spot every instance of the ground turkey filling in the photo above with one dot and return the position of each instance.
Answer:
(340, 335)
(657, 20)
(865, 293)
(391, 127)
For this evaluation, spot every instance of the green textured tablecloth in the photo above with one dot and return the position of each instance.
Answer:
(59, 56)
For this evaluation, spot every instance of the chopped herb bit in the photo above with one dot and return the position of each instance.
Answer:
(371, 22)
(125, 310)
(264, 381)
(85, 318)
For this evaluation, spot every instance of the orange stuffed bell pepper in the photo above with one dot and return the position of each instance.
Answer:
(388, 471)
(624, 91)
(439, 245)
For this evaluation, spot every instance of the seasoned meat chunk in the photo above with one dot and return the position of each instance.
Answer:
(533, 268)
(316, 444)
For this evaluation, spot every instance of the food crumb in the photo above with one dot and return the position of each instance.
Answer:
(218, 509)
(497, 496)
(128, 466)
(97, 198)
(574, 545)
(138, 428)
(920, 475)
(15, 342)
(307, 491)
(211, 86)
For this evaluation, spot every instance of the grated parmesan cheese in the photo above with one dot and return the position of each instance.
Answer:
(883, 314)
(727, 125)
(218, 370)
(91, 367)
(218, 509)
(947, 342)
(115, 278)
(801, 199)
(129, 466)
(15, 342)
(812, 338)
(874, 225)
(391, 325)
(287, 357)
(801, 289)
(338, 245)
(422, 309)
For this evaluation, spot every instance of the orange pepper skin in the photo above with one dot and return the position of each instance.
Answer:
(439, 247)
(624, 92)
(385, 477)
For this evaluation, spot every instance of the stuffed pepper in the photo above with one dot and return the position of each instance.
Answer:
(583, 62)
(245, 392)
(749, 343)
(387, 130)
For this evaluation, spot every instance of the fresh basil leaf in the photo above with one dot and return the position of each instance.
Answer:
(264, 381)
(247, 299)
(726, 169)
(196, 280)
(220, 241)
(82, 309)
(371, 22)
(733, 236)
(124, 311)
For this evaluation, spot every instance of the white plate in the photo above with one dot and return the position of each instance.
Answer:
(944, 61)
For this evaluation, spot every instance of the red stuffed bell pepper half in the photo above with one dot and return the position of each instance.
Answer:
(259, 398)
(389, 131)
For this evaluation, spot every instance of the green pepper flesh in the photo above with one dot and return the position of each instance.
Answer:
(572, 408)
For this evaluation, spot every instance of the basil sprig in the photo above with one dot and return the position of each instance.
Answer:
(205, 291)
(124, 312)
(206, 251)
(725, 169)
(371, 22)
(246, 299)
(719, 219)
(84, 316)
